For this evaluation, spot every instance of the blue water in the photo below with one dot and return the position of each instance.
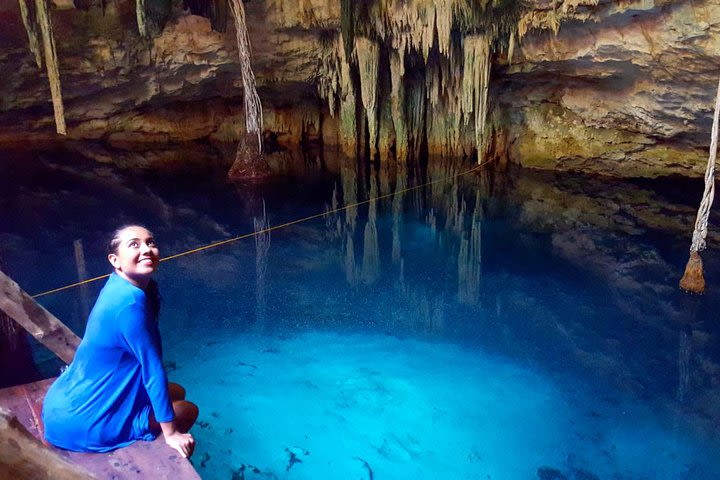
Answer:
(506, 324)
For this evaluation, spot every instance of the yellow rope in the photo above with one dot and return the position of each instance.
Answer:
(270, 229)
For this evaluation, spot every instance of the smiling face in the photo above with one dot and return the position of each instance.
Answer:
(136, 256)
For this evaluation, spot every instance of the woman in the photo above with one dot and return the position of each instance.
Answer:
(116, 391)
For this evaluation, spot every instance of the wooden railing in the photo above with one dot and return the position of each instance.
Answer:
(41, 324)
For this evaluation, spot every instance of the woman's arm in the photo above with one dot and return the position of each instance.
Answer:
(143, 340)
(143, 343)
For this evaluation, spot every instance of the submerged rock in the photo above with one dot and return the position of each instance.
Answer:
(251, 472)
(580, 474)
(548, 473)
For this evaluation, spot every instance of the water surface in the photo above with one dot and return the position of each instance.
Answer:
(505, 324)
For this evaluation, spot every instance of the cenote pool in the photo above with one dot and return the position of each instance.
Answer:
(505, 324)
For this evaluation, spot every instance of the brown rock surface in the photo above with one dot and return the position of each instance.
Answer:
(628, 92)
(615, 87)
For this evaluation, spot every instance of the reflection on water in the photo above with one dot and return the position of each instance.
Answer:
(572, 276)
(262, 247)
(371, 253)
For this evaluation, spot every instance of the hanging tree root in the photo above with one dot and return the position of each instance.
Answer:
(250, 163)
(693, 280)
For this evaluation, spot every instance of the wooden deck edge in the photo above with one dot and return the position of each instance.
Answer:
(20, 408)
(24, 456)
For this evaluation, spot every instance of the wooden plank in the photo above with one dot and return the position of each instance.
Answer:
(23, 456)
(33, 394)
(40, 323)
(13, 400)
(139, 460)
(153, 459)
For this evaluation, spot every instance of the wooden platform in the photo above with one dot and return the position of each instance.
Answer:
(151, 460)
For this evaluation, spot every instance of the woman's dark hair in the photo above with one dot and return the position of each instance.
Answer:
(114, 243)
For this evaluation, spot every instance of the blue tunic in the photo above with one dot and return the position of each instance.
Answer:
(104, 399)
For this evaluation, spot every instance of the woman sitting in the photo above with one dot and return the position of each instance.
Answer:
(116, 391)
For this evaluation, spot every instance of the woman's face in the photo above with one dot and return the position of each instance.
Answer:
(137, 256)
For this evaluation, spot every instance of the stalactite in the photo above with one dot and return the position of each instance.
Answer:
(304, 14)
(51, 62)
(415, 114)
(571, 6)
(511, 48)
(443, 80)
(476, 82)
(371, 250)
(141, 17)
(433, 84)
(551, 17)
(443, 22)
(348, 102)
(412, 25)
(253, 107)
(332, 58)
(387, 137)
(29, 21)
(368, 57)
(347, 25)
(444, 87)
(397, 101)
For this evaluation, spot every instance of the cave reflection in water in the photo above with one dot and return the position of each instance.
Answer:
(506, 325)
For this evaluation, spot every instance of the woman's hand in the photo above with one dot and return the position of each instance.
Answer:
(182, 442)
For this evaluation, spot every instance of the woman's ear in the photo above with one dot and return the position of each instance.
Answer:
(113, 259)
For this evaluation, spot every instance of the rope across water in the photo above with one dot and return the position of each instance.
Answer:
(272, 228)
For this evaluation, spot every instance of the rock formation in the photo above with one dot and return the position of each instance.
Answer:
(614, 87)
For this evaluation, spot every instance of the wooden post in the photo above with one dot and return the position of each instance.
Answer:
(23, 456)
(41, 324)
(82, 275)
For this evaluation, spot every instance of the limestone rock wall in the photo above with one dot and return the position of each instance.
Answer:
(615, 87)
(183, 84)
(629, 91)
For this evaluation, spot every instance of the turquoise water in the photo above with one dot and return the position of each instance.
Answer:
(504, 325)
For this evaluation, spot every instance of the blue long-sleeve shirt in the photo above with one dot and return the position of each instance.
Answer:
(104, 399)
